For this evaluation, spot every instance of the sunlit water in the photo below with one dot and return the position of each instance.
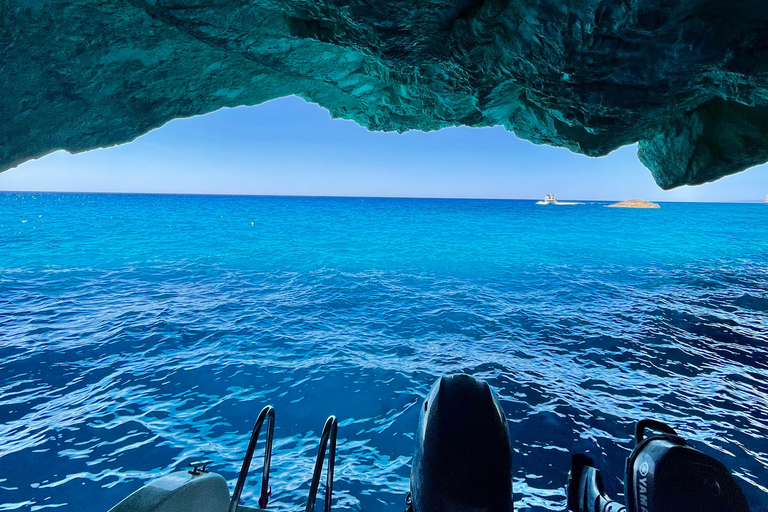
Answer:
(139, 333)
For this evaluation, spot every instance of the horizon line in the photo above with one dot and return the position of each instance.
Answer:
(739, 201)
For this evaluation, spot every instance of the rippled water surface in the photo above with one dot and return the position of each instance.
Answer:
(139, 333)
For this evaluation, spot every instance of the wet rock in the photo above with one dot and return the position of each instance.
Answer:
(688, 79)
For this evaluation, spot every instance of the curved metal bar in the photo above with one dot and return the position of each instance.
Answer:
(267, 412)
(651, 425)
(329, 432)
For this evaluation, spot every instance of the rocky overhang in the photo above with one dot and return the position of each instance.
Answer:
(686, 79)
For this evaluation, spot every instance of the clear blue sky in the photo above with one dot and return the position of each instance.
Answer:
(290, 147)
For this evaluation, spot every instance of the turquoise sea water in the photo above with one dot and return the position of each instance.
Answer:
(139, 333)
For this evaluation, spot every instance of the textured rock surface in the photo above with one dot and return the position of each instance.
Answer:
(634, 203)
(688, 79)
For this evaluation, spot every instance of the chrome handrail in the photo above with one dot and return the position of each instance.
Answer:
(329, 431)
(267, 412)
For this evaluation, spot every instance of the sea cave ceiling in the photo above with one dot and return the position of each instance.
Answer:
(686, 79)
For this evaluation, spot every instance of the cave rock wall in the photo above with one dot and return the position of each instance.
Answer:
(687, 79)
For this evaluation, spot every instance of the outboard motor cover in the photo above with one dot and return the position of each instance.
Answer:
(463, 457)
(665, 474)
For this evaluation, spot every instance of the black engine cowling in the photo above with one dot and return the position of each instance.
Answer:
(463, 457)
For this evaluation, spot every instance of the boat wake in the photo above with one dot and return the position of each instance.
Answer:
(552, 199)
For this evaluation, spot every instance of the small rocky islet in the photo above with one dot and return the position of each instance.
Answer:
(634, 203)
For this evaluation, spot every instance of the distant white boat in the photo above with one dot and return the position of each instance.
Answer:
(552, 199)
(549, 199)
